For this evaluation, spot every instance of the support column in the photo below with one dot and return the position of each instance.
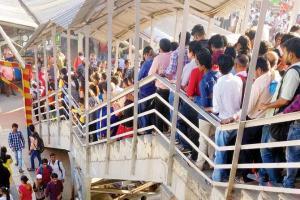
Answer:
(69, 67)
(117, 55)
(240, 133)
(246, 16)
(80, 42)
(38, 88)
(151, 32)
(175, 26)
(136, 84)
(176, 96)
(86, 112)
(56, 81)
(46, 87)
(108, 74)
(130, 51)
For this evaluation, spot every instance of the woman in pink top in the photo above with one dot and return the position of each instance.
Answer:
(25, 189)
(159, 65)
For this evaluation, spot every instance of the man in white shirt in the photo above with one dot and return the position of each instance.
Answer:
(227, 95)
(57, 167)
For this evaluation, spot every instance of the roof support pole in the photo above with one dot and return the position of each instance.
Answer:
(12, 47)
(110, 5)
(246, 16)
(38, 88)
(211, 23)
(56, 81)
(238, 142)
(175, 25)
(176, 96)
(117, 55)
(86, 112)
(136, 84)
(46, 87)
(130, 51)
(151, 32)
(80, 42)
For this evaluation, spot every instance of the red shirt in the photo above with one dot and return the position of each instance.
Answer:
(26, 191)
(193, 86)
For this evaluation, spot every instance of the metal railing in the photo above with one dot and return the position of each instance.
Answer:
(82, 132)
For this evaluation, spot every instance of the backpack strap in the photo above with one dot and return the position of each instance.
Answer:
(58, 163)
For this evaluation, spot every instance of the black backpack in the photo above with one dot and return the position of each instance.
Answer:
(279, 131)
(40, 144)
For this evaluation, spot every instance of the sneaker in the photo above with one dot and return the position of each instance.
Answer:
(30, 169)
(21, 171)
(184, 150)
(177, 142)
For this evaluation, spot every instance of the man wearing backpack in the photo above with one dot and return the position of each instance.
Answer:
(17, 144)
(45, 170)
(35, 150)
(57, 167)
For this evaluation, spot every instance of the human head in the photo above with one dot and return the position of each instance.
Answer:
(278, 37)
(24, 179)
(251, 35)
(204, 59)
(263, 48)
(54, 177)
(198, 32)
(187, 38)
(225, 63)
(3, 150)
(194, 47)
(148, 52)
(216, 42)
(292, 51)
(14, 127)
(295, 29)
(127, 63)
(165, 45)
(174, 46)
(230, 51)
(39, 178)
(286, 37)
(262, 66)
(273, 58)
(52, 157)
(241, 63)
(243, 45)
(44, 162)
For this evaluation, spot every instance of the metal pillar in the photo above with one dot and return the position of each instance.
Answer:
(38, 88)
(130, 51)
(46, 87)
(246, 16)
(175, 25)
(136, 84)
(151, 32)
(69, 67)
(12, 47)
(86, 112)
(56, 81)
(117, 54)
(80, 42)
(263, 12)
(108, 74)
(176, 96)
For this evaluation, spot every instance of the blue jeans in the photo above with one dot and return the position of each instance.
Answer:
(34, 154)
(269, 155)
(292, 155)
(18, 157)
(222, 138)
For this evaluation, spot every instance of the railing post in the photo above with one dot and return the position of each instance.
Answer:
(46, 88)
(38, 87)
(136, 84)
(117, 55)
(240, 133)
(108, 74)
(176, 95)
(69, 67)
(151, 32)
(80, 42)
(56, 82)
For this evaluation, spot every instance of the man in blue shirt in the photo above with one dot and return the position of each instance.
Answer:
(148, 89)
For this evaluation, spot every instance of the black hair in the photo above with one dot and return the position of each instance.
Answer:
(44, 160)
(174, 46)
(263, 48)
(94, 89)
(225, 63)
(52, 154)
(286, 37)
(195, 46)
(243, 60)
(15, 125)
(251, 34)
(115, 80)
(3, 155)
(217, 41)
(230, 51)
(80, 54)
(263, 64)
(54, 175)
(225, 40)
(147, 50)
(65, 79)
(31, 127)
(24, 178)
(187, 38)
(295, 28)
(103, 76)
(102, 87)
(165, 45)
(293, 46)
(126, 62)
(279, 34)
(143, 198)
(63, 71)
(244, 41)
(204, 58)
(198, 30)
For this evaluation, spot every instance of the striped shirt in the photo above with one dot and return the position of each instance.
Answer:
(16, 141)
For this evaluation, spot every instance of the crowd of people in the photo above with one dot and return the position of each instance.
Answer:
(49, 175)
(214, 77)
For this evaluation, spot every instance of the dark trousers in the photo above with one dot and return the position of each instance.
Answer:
(163, 109)
(34, 154)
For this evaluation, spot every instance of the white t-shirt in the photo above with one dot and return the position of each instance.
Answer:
(186, 72)
(59, 170)
(290, 83)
